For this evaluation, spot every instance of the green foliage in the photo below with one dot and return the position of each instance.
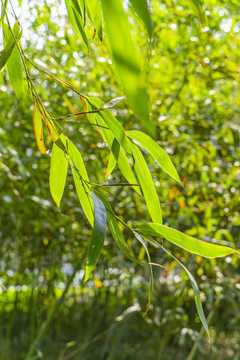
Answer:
(98, 235)
(190, 76)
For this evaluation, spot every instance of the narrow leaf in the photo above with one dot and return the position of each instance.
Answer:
(116, 232)
(49, 123)
(76, 20)
(81, 179)
(141, 9)
(58, 173)
(113, 124)
(117, 151)
(147, 186)
(11, 42)
(156, 151)
(98, 235)
(96, 15)
(126, 58)
(111, 165)
(14, 66)
(38, 129)
(186, 242)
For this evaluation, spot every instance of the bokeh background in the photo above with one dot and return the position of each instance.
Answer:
(192, 75)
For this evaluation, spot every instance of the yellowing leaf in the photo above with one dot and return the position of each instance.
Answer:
(58, 173)
(38, 129)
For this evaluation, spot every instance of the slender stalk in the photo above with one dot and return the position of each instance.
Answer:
(45, 325)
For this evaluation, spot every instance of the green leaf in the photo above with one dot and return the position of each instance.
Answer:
(126, 59)
(196, 291)
(186, 242)
(113, 124)
(156, 151)
(98, 235)
(147, 186)
(76, 20)
(116, 232)
(81, 179)
(58, 173)
(141, 8)
(10, 44)
(117, 150)
(96, 15)
(14, 66)
(111, 165)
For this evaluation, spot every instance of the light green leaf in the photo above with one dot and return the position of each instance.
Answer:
(98, 235)
(186, 242)
(96, 16)
(156, 151)
(117, 151)
(58, 173)
(126, 59)
(147, 186)
(196, 291)
(14, 66)
(81, 179)
(113, 124)
(76, 20)
(10, 44)
(111, 165)
(141, 8)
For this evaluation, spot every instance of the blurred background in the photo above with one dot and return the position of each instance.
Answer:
(192, 75)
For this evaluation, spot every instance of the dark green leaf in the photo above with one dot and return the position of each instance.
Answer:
(98, 235)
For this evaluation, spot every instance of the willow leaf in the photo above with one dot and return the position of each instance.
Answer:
(147, 185)
(96, 16)
(187, 242)
(38, 130)
(10, 44)
(98, 235)
(14, 66)
(81, 179)
(126, 59)
(141, 9)
(156, 151)
(58, 173)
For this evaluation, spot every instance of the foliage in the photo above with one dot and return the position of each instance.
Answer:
(167, 79)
